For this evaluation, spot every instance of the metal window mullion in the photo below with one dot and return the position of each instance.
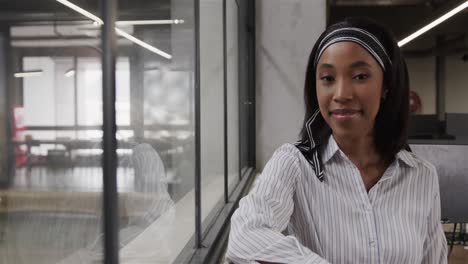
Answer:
(252, 74)
(240, 83)
(109, 142)
(6, 81)
(226, 191)
(198, 224)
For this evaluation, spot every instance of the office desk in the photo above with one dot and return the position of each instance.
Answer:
(75, 144)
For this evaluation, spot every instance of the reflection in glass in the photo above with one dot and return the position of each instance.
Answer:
(51, 170)
(211, 104)
(158, 136)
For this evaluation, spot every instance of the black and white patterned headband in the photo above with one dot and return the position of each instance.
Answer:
(317, 129)
(362, 37)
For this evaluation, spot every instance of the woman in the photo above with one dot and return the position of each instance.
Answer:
(348, 191)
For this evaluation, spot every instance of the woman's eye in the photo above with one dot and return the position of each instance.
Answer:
(361, 76)
(327, 78)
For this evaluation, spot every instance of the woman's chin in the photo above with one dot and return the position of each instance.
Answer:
(348, 132)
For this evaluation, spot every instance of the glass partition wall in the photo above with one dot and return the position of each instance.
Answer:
(51, 178)
(182, 132)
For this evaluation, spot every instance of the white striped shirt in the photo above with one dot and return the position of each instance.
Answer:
(337, 221)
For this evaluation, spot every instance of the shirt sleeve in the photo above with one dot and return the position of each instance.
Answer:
(435, 244)
(264, 213)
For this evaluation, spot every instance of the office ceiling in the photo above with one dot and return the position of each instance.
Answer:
(404, 17)
(41, 24)
(380, 2)
(13, 11)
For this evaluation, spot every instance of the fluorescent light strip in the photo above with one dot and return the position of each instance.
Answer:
(142, 43)
(433, 24)
(119, 31)
(81, 11)
(149, 22)
(28, 74)
(70, 73)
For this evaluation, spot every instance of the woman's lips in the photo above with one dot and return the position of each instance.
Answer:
(344, 114)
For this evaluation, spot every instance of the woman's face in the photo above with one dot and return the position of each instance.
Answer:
(349, 85)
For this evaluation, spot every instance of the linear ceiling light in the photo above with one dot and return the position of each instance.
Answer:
(98, 21)
(142, 43)
(70, 73)
(149, 22)
(25, 74)
(81, 11)
(433, 24)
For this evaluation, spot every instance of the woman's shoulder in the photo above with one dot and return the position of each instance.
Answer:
(417, 162)
(420, 170)
(288, 150)
(287, 155)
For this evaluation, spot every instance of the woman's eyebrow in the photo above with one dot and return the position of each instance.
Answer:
(326, 66)
(358, 64)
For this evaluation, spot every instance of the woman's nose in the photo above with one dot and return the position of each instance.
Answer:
(343, 91)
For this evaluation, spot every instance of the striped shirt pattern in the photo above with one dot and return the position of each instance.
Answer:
(290, 216)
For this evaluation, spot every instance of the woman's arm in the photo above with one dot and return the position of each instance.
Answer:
(262, 215)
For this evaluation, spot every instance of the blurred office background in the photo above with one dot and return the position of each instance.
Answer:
(206, 90)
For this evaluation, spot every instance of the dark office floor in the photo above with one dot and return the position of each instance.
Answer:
(459, 255)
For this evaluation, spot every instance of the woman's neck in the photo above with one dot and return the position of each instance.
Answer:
(360, 150)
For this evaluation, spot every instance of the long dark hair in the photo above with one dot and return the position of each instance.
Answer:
(391, 123)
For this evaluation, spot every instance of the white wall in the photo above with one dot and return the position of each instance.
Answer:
(422, 81)
(286, 32)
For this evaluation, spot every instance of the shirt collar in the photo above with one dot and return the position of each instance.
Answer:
(407, 157)
(331, 148)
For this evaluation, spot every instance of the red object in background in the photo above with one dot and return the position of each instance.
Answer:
(415, 104)
(21, 155)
